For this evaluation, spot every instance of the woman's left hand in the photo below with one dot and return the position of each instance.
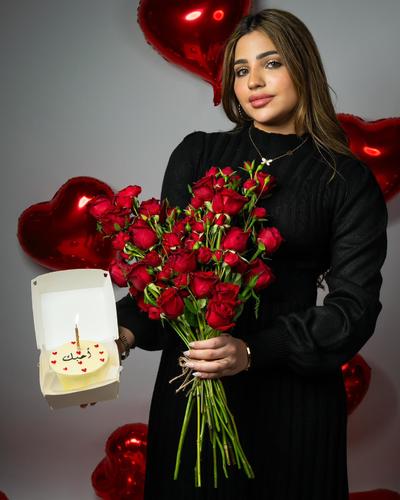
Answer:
(217, 357)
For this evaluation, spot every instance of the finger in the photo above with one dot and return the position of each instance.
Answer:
(213, 343)
(216, 366)
(208, 354)
(206, 376)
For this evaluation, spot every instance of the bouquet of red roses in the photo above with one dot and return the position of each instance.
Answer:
(194, 268)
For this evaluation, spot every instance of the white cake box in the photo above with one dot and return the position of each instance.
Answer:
(59, 300)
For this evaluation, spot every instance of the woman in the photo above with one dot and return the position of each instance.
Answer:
(290, 405)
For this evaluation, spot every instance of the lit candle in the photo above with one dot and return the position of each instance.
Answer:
(77, 332)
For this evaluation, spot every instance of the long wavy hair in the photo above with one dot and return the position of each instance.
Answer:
(315, 113)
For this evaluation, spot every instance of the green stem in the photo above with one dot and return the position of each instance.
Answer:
(188, 412)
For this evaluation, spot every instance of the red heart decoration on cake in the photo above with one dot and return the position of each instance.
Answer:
(192, 34)
(54, 353)
(376, 143)
(73, 342)
(357, 376)
(96, 345)
(101, 352)
(80, 362)
(84, 369)
(78, 352)
(65, 368)
(61, 233)
(102, 359)
(54, 362)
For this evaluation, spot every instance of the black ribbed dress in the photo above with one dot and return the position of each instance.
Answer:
(290, 407)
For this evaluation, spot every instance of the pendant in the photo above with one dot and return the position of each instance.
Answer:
(264, 161)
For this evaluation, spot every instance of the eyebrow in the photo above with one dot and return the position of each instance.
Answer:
(260, 56)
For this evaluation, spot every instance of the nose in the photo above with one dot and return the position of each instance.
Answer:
(255, 79)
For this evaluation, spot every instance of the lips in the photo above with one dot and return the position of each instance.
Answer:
(258, 101)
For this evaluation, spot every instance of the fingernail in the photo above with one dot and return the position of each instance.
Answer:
(189, 364)
(186, 353)
(196, 374)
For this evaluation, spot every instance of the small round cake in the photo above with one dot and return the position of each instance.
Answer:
(70, 362)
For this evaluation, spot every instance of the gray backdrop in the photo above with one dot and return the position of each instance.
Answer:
(83, 94)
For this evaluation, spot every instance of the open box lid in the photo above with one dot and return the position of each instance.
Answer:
(60, 298)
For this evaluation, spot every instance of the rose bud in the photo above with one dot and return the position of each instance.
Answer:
(270, 238)
(212, 171)
(198, 227)
(100, 206)
(235, 239)
(203, 189)
(154, 312)
(218, 254)
(202, 283)
(219, 315)
(124, 198)
(259, 213)
(139, 277)
(231, 258)
(171, 303)
(249, 184)
(227, 171)
(264, 273)
(150, 207)
(266, 183)
(204, 255)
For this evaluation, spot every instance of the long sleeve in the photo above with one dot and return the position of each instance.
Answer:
(180, 171)
(322, 338)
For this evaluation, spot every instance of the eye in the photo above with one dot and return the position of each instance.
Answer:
(273, 64)
(240, 72)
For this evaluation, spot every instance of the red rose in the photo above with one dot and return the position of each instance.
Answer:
(183, 261)
(118, 272)
(139, 297)
(232, 259)
(198, 227)
(259, 213)
(204, 255)
(219, 314)
(265, 183)
(226, 291)
(271, 238)
(142, 235)
(227, 171)
(212, 171)
(119, 241)
(171, 240)
(203, 189)
(228, 201)
(219, 183)
(152, 259)
(154, 312)
(196, 202)
(165, 274)
(100, 206)
(150, 207)
(235, 239)
(124, 198)
(139, 276)
(181, 280)
(250, 183)
(219, 220)
(171, 303)
(112, 223)
(202, 283)
(264, 273)
(218, 254)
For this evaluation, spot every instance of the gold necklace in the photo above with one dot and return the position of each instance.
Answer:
(270, 160)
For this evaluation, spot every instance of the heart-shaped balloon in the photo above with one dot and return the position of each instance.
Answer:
(192, 34)
(61, 234)
(357, 376)
(376, 143)
(121, 473)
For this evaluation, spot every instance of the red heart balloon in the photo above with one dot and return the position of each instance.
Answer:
(192, 34)
(61, 234)
(121, 473)
(357, 376)
(376, 143)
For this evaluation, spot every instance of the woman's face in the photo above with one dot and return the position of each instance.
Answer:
(263, 85)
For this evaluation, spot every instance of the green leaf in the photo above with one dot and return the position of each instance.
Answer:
(189, 305)
(201, 303)
(190, 317)
(117, 227)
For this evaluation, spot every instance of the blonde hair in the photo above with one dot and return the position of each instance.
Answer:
(315, 113)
